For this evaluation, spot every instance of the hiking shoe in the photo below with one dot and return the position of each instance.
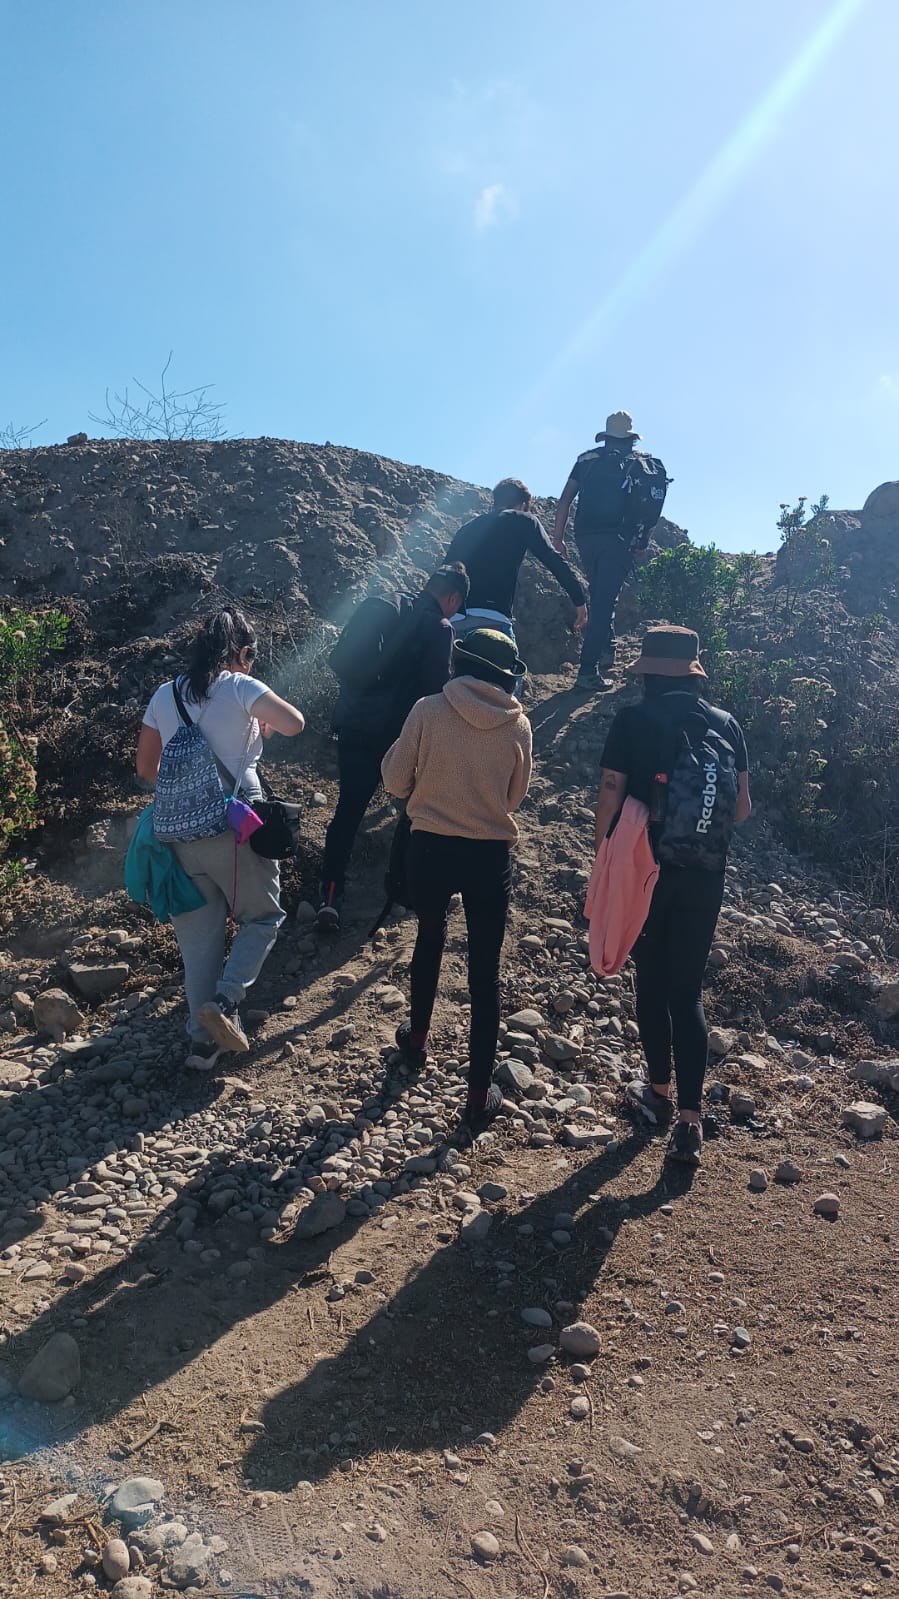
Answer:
(655, 1108)
(327, 918)
(592, 682)
(203, 1056)
(586, 683)
(416, 1059)
(686, 1144)
(221, 1018)
(476, 1121)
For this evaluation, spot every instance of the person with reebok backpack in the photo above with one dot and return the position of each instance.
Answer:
(620, 494)
(391, 653)
(199, 745)
(492, 548)
(686, 762)
(463, 764)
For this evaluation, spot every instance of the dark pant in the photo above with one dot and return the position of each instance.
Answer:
(359, 770)
(606, 560)
(481, 871)
(670, 956)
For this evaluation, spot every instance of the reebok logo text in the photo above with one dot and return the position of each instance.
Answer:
(709, 795)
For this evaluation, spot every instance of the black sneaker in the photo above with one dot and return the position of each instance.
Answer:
(655, 1108)
(327, 919)
(221, 1018)
(686, 1144)
(203, 1057)
(416, 1059)
(475, 1122)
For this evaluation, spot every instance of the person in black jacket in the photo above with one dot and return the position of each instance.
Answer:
(369, 721)
(492, 548)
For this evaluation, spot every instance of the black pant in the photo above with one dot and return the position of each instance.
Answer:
(606, 560)
(670, 956)
(481, 871)
(359, 771)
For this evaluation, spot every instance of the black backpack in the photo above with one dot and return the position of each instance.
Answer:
(364, 653)
(694, 805)
(618, 492)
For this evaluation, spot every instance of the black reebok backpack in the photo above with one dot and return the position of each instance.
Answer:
(364, 652)
(620, 492)
(695, 791)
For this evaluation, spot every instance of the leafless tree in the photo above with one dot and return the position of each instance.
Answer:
(170, 414)
(18, 438)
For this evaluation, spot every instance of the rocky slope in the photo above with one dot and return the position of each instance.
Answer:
(263, 1334)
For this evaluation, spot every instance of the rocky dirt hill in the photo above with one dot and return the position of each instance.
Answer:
(262, 1335)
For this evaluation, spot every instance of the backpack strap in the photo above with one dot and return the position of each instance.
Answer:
(179, 704)
(228, 776)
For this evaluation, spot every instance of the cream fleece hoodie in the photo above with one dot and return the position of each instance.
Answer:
(463, 762)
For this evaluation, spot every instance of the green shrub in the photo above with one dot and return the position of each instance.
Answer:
(699, 586)
(25, 642)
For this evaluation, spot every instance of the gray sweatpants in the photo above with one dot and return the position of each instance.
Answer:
(202, 934)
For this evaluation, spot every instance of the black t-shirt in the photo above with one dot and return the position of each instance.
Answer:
(634, 742)
(492, 548)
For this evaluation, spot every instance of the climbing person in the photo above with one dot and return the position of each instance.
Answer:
(233, 712)
(463, 764)
(620, 492)
(492, 548)
(390, 654)
(686, 761)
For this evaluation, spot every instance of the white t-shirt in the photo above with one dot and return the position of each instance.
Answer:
(225, 719)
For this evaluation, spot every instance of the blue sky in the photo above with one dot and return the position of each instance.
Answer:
(458, 232)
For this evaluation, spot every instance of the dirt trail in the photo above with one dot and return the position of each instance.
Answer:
(347, 1412)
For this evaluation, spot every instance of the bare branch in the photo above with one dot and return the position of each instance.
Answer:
(172, 414)
(18, 438)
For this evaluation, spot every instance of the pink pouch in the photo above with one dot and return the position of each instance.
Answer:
(243, 820)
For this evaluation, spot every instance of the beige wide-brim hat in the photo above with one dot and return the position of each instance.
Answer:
(620, 425)
(669, 652)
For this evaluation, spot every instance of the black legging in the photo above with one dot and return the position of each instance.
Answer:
(481, 871)
(670, 956)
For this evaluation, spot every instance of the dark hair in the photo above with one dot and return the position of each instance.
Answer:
(449, 580)
(220, 639)
(484, 672)
(655, 684)
(511, 494)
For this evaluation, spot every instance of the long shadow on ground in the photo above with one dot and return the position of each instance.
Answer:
(437, 1365)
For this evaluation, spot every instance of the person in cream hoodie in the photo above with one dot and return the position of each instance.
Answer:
(463, 764)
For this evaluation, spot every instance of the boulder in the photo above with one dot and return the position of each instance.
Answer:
(515, 1075)
(580, 1340)
(526, 1021)
(887, 1002)
(56, 1014)
(97, 982)
(878, 1073)
(135, 1500)
(54, 1371)
(722, 1040)
(865, 1118)
(323, 1213)
(559, 1048)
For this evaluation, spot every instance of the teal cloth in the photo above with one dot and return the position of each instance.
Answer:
(154, 875)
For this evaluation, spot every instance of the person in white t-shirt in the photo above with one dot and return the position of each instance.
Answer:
(235, 712)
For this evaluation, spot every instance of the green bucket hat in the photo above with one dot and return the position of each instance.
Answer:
(492, 649)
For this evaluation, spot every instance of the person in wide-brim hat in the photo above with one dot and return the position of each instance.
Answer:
(668, 652)
(619, 425)
(494, 653)
(670, 954)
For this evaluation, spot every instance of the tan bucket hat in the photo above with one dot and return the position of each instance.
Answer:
(620, 425)
(669, 652)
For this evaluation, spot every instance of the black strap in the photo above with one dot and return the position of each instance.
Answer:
(179, 703)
